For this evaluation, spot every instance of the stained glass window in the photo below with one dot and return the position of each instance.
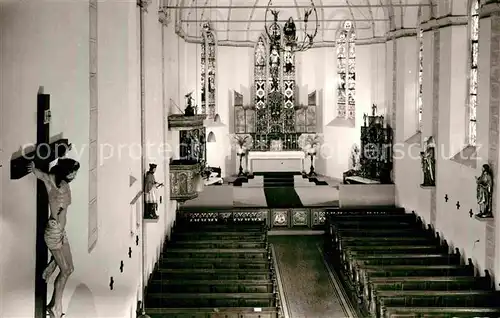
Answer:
(346, 71)
(260, 73)
(420, 77)
(474, 36)
(208, 73)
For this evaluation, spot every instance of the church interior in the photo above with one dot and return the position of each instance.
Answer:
(249, 159)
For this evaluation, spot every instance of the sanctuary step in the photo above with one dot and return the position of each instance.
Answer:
(279, 179)
(392, 266)
(223, 266)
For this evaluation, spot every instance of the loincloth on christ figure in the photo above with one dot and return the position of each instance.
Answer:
(55, 235)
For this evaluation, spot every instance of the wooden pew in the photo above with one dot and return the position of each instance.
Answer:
(440, 312)
(241, 253)
(417, 270)
(429, 298)
(369, 232)
(409, 259)
(211, 274)
(442, 283)
(381, 225)
(214, 270)
(376, 241)
(208, 244)
(214, 300)
(234, 312)
(211, 286)
(373, 217)
(364, 274)
(214, 263)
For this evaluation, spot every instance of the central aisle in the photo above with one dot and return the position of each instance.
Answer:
(307, 283)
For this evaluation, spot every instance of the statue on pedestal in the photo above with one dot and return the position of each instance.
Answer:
(150, 200)
(428, 157)
(485, 192)
(59, 193)
(189, 111)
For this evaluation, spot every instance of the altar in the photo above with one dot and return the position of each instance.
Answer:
(275, 161)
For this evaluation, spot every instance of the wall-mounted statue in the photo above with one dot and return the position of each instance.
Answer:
(190, 109)
(59, 194)
(485, 192)
(150, 200)
(428, 157)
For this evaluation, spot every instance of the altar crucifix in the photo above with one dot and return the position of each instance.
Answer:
(374, 110)
(37, 162)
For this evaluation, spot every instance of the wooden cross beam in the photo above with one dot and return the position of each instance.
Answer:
(43, 154)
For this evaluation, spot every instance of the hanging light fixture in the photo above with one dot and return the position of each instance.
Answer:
(291, 41)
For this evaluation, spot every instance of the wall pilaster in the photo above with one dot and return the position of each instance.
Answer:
(406, 73)
(487, 116)
(453, 55)
(378, 63)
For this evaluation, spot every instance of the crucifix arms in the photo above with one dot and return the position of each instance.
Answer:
(43, 153)
(45, 177)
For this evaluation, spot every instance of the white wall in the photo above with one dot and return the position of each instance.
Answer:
(454, 180)
(46, 44)
(339, 139)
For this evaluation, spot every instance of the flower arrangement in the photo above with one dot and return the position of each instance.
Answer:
(310, 143)
(242, 142)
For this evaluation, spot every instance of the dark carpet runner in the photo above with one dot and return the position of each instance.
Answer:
(279, 190)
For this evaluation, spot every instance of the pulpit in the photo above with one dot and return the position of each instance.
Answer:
(185, 172)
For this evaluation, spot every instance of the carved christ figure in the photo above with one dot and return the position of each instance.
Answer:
(59, 193)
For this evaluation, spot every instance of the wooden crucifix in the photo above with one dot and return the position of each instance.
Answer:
(44, 153)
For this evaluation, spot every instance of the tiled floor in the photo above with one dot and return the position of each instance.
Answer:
(307, 284)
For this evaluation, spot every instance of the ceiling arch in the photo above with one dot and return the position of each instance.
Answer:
(243, 20)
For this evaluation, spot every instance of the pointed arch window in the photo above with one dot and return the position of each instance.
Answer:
(260, 73)
(474, 50)
(346, 70)
(208, 71)
(420, 77)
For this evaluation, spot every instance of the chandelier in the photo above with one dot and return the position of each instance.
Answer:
(291, 40)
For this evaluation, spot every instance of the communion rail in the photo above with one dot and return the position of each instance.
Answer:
(281, 218)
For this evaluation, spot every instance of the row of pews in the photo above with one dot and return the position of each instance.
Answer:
(215, 270)
(394, 267)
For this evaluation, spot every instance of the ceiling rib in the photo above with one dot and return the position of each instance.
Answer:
(250, 17)
(298, 29)
(228, 19)
(246, 21)
(325, 6)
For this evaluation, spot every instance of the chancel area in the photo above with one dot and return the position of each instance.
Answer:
(266, 158)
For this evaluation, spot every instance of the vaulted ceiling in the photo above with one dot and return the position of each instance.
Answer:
(242, 21)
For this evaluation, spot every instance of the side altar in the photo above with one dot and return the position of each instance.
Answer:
(375, 157)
